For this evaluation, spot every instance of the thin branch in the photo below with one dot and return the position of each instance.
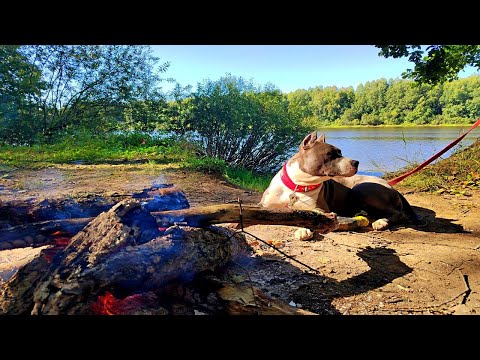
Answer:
(283, 253)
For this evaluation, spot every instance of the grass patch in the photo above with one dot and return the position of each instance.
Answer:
(455, 175)
(247, 179)
(241, 177)
(86, 148)
(90, 149)
(206, 165)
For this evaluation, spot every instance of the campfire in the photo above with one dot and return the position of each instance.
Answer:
(42, 223)
(149, 253)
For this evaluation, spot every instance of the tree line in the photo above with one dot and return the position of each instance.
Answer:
(390, 102)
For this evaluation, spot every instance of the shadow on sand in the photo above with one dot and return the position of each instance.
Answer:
(281, 279)
(429, 222)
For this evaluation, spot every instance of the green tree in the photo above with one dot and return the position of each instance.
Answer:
(20, 85)
(244, 125)
(330, 103)
(370, 100)
(400, 100)
(80, 82)
(437, 63)
(460, 101)
(407, 102)
(300, 106)
(473, 102)
(178, 114)
(427, 106)
(143, 115)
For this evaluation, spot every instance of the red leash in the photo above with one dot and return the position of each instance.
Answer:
(426, 162)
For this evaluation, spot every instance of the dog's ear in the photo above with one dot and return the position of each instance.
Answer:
(309, 139)
(321, 138)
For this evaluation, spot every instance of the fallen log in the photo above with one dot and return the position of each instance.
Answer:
(315, 219)
(248, 215)
(39, 233)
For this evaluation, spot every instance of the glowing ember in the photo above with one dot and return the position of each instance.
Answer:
(50, 253)
(108, 304)
(62, 240)
(105, 305)
(58, 233)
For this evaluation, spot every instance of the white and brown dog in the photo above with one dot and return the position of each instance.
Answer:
(319, 176)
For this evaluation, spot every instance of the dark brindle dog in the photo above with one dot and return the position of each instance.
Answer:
(319, 176)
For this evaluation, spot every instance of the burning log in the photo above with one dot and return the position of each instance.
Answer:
(39, 233)
(39, 221)
(157, 198)
(120, 251)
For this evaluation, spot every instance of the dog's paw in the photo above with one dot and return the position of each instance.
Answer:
(380, 224)
(303, 234)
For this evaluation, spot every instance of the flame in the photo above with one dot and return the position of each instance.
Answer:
(105, 305)
(108, 304)
(58, 233)
(62, 239)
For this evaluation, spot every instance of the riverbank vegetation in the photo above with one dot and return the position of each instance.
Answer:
(390, 102)
(143, 150)
(98, 104)
(49, 89)
(455, 175)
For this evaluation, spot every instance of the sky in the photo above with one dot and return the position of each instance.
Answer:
(289, 67)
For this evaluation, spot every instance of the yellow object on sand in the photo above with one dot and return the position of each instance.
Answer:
(361, 221)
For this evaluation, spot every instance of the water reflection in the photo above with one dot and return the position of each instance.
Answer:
(380, 150)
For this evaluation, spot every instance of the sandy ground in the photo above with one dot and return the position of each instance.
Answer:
(432, 268)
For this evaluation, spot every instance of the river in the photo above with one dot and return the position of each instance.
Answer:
(385, 149)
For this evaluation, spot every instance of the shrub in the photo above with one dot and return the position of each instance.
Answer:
(244, 125)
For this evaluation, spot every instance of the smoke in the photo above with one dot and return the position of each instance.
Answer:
(160, 182)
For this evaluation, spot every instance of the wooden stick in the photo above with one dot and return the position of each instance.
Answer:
(249, 215)
(37, 233)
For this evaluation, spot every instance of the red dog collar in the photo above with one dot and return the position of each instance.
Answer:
(292, 186)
